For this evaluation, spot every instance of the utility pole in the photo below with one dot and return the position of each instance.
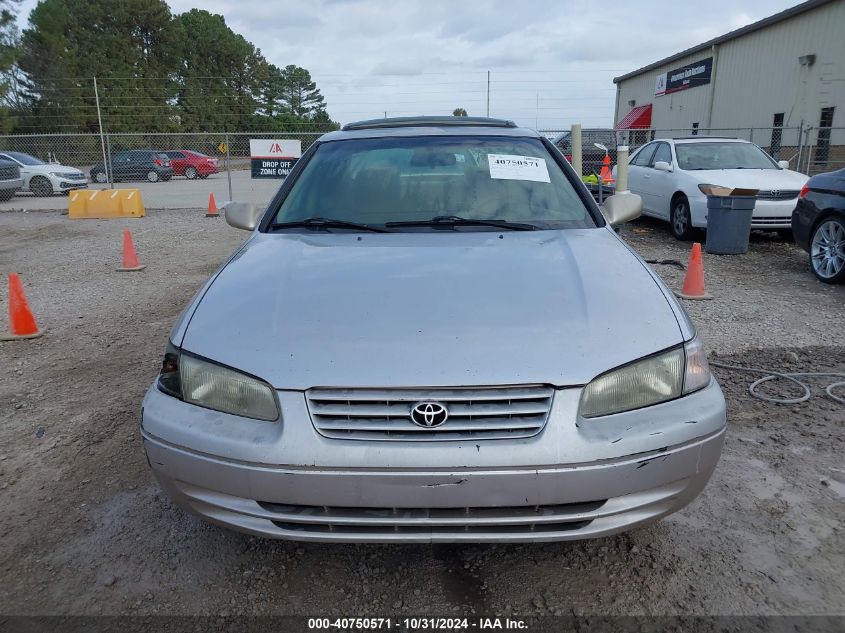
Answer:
(488, 93)
(102, 135)
(537, 112)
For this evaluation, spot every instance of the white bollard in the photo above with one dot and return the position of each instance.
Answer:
(621, 168)
(575, 138)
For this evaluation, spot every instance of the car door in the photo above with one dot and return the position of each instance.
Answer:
(141, 164)
(178, 161)
(660, 185)
(120, 165)
(637, 172)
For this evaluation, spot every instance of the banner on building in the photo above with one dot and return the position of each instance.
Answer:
(689, 76)
(273, 158)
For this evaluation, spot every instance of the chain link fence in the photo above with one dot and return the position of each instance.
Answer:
(230, 150)
(810, 150)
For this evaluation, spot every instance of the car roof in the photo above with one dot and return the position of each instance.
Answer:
(429, 126)
(704, 139)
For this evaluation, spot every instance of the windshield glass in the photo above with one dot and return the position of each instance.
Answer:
(722, 156)
(402, 179)
(24, 159)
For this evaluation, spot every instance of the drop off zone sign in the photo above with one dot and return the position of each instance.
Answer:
(272, 158)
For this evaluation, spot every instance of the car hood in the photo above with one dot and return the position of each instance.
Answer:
(766, 179)
(431, 309)
(46, 169)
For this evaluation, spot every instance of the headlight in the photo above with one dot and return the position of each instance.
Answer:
(652, 380)
(213, 386)
(70, 175)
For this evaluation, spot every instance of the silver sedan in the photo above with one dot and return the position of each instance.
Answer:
(433, 334)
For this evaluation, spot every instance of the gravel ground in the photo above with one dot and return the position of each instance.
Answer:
(85, 529)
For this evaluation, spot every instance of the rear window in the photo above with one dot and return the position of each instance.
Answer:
(375, 181)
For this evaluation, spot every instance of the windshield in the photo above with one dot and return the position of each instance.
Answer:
(406, 179)
(24, 159)
(722, 156)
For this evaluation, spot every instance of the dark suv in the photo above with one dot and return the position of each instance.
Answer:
(135, 164)
(591, 155)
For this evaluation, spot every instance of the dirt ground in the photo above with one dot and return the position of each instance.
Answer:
(84, 528)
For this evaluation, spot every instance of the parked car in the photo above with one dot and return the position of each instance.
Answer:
(45, 179)
(433, 335)
(818, 224)
(668, 174)
(591, 156)
(191, 164)
(10, 179)
(135, 164)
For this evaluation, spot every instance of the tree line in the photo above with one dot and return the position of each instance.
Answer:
(156, 72)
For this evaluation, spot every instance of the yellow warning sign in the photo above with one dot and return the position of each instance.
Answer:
(105, 203)
(223, 148)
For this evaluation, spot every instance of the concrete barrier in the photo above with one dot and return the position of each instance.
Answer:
(105, 203)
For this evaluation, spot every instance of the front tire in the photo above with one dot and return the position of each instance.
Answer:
(190, 173)
(827, 251)
(680, 219)
(99, 176)
(152, 175)
(41, 187)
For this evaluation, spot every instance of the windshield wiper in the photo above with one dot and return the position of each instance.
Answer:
(454, 220)
(327, 223)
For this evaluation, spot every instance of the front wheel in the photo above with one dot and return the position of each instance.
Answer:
(827, 251)
(681, 220)
(190, 173)
(152, 175)
(99, 176)
(41, 186)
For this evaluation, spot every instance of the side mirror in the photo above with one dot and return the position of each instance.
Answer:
(662, 165)
(783, 164)
(622, 207)
(242, 215)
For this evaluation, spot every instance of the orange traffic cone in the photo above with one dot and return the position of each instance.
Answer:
(694, 280)
(21, 321)
(605, 174)
(130, 258)
(212, 207)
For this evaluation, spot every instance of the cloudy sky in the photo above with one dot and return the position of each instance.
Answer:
(551, 61)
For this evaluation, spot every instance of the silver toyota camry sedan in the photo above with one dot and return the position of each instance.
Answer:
(433, 334)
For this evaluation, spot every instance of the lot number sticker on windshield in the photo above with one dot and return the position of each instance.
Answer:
(510, 167)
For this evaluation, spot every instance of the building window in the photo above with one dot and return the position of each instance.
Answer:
(777, 135)
(695, 129)
(823, 142)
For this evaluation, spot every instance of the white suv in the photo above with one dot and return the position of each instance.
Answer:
(668, 173)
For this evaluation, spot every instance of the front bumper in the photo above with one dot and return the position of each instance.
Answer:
(768, 214)
(68, 185)
(574, 480)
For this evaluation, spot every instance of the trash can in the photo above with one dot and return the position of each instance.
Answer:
(729, 215)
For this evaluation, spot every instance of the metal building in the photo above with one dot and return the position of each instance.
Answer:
(779, 82)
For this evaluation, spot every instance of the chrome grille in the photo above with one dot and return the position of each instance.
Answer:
(777, 194)
(758, 220)
(477, 413)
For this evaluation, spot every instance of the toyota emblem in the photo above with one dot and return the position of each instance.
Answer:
(429, 414)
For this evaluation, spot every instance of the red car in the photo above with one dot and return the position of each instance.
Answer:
(191, 164)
